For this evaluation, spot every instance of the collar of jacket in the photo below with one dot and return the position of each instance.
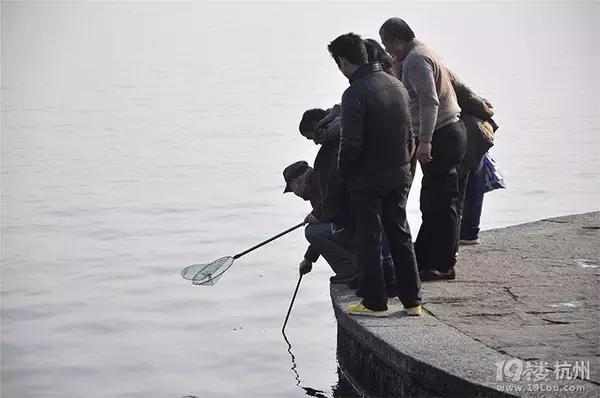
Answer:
(413, 43)
(364, 70)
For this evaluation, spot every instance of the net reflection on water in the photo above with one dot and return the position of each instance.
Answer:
(343, 389)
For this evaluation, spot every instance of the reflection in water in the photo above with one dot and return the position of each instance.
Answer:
(309, 391)
(345, 389)
(293, 358)
(342, 389)
(314, 393)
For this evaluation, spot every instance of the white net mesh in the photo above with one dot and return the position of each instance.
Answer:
(207, 274)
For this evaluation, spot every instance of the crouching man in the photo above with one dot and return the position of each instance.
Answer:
(329, 229)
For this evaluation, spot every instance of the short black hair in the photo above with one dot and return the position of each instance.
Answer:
(376, 53)
(350, 46)
(310, 118)
(396, 28)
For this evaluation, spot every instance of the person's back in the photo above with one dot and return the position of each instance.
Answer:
(442, 141)
(333, 204)
(419, 58)
(384, 160)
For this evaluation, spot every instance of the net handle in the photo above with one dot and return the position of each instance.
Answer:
(279, 235)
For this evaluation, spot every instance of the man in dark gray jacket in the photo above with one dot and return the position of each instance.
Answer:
(374, 162)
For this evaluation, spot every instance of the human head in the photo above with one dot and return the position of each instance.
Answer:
(395, 35)
(376, 53)
(349, 53)
(309, 120)
(295, 178)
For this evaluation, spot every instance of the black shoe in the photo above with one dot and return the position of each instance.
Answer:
(341, 278)
(359, 293)
(434, 275)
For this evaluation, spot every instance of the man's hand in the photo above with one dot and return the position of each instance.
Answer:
(424, 152)
(489, 109)
(305, 267)
(323, 122)
(311, 219)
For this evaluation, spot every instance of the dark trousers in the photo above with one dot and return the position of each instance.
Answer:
(374, 213)
(473, 204)
(389, 273)
(336, 244)
(437, 241)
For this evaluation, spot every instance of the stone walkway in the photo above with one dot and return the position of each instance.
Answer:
(528, 294)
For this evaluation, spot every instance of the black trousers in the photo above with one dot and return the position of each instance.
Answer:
(441, 196)
(375, 212)
(336, 244)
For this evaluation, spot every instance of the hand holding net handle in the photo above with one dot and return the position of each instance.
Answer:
(279, 235)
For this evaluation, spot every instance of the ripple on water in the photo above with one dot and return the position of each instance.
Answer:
(103, 326)
(22, 314)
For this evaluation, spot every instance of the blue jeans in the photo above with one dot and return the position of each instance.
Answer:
(473, 204)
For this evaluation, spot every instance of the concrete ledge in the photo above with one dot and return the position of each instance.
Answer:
(476, 321)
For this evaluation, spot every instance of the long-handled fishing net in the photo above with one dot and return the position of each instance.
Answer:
(209, 274)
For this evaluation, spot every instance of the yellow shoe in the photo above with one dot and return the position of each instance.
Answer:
(360, 309)
(413, 311)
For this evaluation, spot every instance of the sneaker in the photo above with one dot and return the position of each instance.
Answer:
(360, 309)
(413, 311)
(341, 278)
(469, 242)
(435, 275)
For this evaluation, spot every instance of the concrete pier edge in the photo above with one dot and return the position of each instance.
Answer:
(471, 324)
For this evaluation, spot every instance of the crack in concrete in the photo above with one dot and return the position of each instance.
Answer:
(514, 296)
(501, 351)
(556, 221)
(555, 322)
(594, 227)
(484, 314)
(448, 300)
(474, 282)
(430, 313)
(547, 312)
(497, 349)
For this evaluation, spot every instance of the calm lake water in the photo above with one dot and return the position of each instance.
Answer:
(138, 138)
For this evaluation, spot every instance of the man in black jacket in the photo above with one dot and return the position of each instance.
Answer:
(374, 162)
